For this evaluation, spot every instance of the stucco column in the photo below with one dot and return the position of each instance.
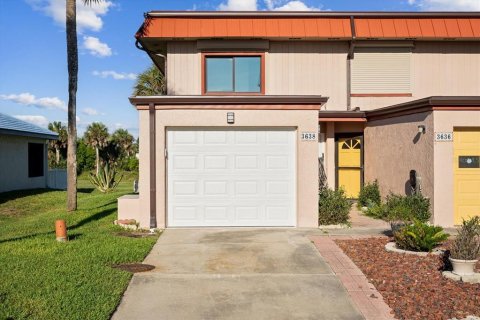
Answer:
(144, 166)
(330, 154)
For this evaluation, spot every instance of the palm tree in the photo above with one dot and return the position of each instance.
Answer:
(124, 141)
(61, 143)
(72, 60)
(96, 136)
(151, 82)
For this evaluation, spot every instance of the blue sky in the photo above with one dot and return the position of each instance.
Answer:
(33, 69)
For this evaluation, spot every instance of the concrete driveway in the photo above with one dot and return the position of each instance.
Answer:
(236, 274)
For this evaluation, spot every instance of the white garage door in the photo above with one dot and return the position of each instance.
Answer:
(231, 177)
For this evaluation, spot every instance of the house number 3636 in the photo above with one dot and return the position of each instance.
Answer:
(443, 136)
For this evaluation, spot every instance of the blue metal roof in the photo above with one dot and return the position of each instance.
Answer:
(13, 126)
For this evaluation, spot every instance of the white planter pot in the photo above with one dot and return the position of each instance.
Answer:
(463, 267)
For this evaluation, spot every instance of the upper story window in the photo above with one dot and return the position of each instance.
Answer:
(381, 71)
(234, 74)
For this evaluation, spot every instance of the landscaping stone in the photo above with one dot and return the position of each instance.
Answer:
(413, 286)
(334, 226)
(392, 247)
(474, 278)
(130, 224)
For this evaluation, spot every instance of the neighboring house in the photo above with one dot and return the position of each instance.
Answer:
(234, 142)
(23, 154)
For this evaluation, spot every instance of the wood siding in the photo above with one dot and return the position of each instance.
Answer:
(309, 68)
(320, 68)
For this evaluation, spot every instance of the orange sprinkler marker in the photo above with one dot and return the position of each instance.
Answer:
(61, 230)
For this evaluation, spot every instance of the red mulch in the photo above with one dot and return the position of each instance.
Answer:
(413, 286)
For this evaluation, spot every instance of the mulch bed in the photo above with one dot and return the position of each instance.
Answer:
(413, 286)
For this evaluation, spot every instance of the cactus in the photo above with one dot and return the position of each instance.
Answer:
(105, 181)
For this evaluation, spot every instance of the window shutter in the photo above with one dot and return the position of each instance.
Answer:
(381, 70)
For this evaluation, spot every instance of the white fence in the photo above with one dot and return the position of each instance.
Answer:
(57, 179)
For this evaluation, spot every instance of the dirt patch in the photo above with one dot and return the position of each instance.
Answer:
(413, 286)
(134, 234)
(134, 267)
(10, 212)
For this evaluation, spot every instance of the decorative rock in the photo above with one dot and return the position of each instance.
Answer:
(474, 278)
(392, 247)
(130, 224)
(334, 226)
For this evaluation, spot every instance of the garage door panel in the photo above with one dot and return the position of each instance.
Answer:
(231, 178)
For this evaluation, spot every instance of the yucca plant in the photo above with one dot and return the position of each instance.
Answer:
(105, 180)
(420, 236)
(467, 243)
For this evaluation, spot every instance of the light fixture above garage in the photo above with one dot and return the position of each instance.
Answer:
(421, 129)
(230, 117)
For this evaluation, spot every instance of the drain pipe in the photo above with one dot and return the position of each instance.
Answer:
(350, 56)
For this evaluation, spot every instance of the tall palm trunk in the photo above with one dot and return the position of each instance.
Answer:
(72, 59)
(97, 159)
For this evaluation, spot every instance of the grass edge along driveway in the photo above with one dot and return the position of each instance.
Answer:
(44, 279)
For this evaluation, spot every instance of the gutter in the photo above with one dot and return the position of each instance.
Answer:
(339, 14)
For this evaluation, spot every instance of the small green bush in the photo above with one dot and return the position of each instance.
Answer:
(376, 211)
(333, 207)
(419, 236)
(407, 208)
(467, 243)
(369, 195)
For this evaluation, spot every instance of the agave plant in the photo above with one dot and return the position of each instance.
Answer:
(105, 180)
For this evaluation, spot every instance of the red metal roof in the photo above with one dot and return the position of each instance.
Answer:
(311, 26)
(417, 28)
(248, 27)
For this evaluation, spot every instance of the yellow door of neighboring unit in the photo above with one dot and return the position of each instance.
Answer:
(466, 168)
(349, 165)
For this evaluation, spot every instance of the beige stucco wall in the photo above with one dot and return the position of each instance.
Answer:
(307, 153)
(446, 121)
(393, 147)
(438, 69)
(14, 164)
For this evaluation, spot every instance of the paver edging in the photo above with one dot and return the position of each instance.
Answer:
(363, 294)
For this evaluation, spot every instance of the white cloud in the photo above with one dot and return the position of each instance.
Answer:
(96, 47)
(40, 121)
(273, 5)
(238, 5)
(115, 75)
(90, 112)
(29, 99)
(446, 5)
(88, 16)
(295, 6)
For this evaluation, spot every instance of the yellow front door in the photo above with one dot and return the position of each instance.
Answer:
(466, 170)
(349, 165)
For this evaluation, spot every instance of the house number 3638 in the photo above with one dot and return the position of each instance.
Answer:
(308, 136)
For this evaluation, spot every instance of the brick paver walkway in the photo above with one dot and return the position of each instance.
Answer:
(366, 298)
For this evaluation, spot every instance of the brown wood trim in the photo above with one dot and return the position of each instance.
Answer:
(453, 108)
(238, 107)
(342, 120)
(144, 101)
(260, 54)
(380, 95)
(399, 113)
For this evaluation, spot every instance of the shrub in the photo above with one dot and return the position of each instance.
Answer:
(333, 207)
(467, 244)
(105, 181)
(419, 236)
(369, 195)
(407, 208)
(376, 211)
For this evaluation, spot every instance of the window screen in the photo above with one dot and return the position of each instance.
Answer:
(35, 160)
(381, 70)
(233, 74)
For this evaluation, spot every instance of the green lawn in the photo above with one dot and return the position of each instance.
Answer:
(41, 278)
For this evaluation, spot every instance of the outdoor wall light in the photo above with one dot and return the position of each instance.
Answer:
(421, 129)
(230, 117)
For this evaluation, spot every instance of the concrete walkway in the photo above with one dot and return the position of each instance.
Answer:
(236, 274)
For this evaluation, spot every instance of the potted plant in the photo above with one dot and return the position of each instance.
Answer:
(465, 250)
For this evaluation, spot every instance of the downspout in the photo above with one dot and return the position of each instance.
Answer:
(153, 173)
(350, 56)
